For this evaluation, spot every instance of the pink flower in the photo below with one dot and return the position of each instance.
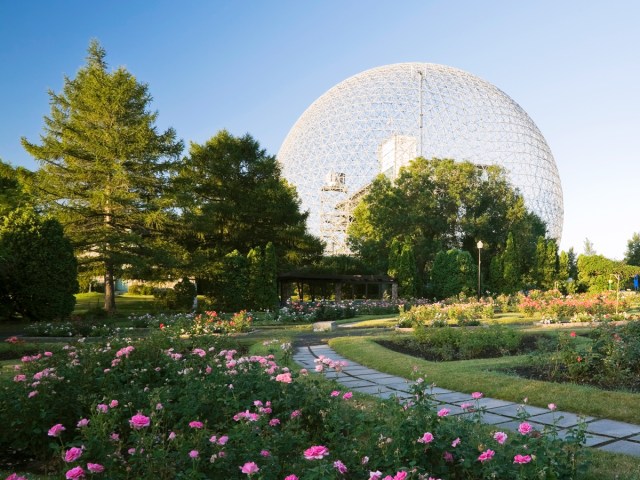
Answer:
(476, 395)
(196, 424)
(284, 378)
(172, 436)
(552, 406)
(265, 453)
(377, 475)
(500, 437)
(364, 460)
(443, 412)
(274, 421)
(347, 395)
(400, 476)
(56, 430)
(456, 442)
(83, 423)
(249, 468)
(466, 406)
(32, 394)
(525, 428)
(113, 403)
(20, 378)
(573, 334)
(448, 457)
(14, 476)
(76, 472)
(426, 438)
(139, 421)
(102, 408)
(115, 437)
(486, 455)
(95, 467)
(319, 368)
(341, 467)
(295, 413)
(304, 371)
(335, 393)
(72, 454)
(159, 406)
(223, 440)
(522, 459)
(291, 477)
(316, 452)
(194, 453)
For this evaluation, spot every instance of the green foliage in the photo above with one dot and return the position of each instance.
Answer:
(38, 271)
(469, 343)
(437, 205)
(453, 272)
(595, 271)
(13, 188)
(407, 275)
(230, 289)
(179, 298)
(232, 197)
(104, 171)
(610, 359)
(511, 267)
(632, 254)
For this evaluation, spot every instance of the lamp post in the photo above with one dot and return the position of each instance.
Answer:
(479, 245)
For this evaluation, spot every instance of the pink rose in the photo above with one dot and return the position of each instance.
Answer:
(291, 477)
(265, 453)
(196, 424)
(56, 430)
(20, 378)
(194, 453)
(139, 421)
(316, 452)
(552, 406)
(335, 393)
(249, 468)
(486, 455)
(476, 395)
(443, 412)
(102, 408)
(113, 403)
(284, 378)
(522, 459)
(223, 440)
(76, 472)
(72, 454)
(83, 423)
(426, 438)
(95, 468)
(341, 467)
(500, 437)
(400, 476)
(347, 395)
(525, 428)
(14, 476)
(456, 442)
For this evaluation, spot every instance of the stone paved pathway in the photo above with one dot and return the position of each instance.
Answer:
(609, 435)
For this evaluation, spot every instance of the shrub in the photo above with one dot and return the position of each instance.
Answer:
(164, 407)
(469, 343)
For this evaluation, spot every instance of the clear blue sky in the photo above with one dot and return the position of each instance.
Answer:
(255, 66)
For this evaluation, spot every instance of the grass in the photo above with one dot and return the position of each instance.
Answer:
(125, 304)
(482, 375)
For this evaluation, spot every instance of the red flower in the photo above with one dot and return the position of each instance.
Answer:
(162, 326)
(573, 334)
(579, 359)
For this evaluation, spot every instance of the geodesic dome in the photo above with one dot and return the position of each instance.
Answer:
(377, 121)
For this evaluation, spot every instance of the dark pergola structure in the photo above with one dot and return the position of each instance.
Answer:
(322, 285)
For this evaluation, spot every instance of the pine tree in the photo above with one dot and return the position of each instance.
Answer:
(103, 169)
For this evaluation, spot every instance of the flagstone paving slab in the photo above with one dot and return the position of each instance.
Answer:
(622, 446)
(561, 419)
(514, 409)
(613, 428)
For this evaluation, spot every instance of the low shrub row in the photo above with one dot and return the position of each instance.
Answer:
(170, 408)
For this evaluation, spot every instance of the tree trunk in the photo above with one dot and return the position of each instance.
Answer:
(109, 290)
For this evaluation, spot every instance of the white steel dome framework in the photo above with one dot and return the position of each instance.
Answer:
(377, 121)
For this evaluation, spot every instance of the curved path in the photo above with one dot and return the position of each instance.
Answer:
(608, 435)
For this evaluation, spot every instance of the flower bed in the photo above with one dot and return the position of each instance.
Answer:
(167, 408)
